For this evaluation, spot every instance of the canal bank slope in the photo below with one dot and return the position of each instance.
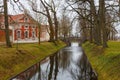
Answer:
(105, 61)
(13, 62)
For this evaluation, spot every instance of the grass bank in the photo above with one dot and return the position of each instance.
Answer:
(13, 62)
(105, 61)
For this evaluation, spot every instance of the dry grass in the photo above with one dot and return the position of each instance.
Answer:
(13, 62)
(105, 61)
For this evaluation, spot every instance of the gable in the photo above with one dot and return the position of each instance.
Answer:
(18, 19)
(23, 18)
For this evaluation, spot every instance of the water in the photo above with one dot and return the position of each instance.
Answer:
(69, 63)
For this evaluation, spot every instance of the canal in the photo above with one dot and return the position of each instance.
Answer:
(70, 63)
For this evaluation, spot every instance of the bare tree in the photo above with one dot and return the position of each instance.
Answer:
(8, 43)
(50, 11)
(102, 21)
(65, 27)
(53, 9)
(47, 14)
(93, 18)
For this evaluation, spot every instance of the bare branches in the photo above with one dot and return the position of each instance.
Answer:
(80, 15)
(39, 12)
(34, 8)
(16, 1)
(50, 6)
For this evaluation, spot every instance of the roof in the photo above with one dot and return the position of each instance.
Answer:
(15, 17)
(19, 18)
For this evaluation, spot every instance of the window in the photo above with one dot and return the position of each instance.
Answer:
(2, 27)
(26, 27)
(26, 19)
(33, 34)
(33, 26)
(18, 34)
(26, 34)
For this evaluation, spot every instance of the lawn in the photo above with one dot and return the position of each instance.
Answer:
(13, 61)
(105, 61)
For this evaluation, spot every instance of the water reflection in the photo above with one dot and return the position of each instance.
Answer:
(69, 63)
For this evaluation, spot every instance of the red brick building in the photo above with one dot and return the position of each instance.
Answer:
(23, 29)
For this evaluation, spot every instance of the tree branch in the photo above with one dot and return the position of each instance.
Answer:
(39, 12)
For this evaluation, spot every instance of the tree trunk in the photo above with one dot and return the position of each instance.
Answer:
(102, 22)
(56, 26)
(91, 34)
(50, 22)
(91, 30)
(39, 32)
(119, 9)
(93, 13)
(96, 29)
(8, 44)
(51, 29)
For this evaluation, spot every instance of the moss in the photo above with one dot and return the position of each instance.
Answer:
(14, 61)
(105, 61)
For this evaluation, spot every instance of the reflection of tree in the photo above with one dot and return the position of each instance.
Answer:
(79, 70)
(56, 66)
(60, 59)
(64, 58)
(30, 73)
(39, 72)
(51, 67)
(84, 70)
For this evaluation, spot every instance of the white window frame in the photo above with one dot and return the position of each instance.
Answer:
(26, 19)
(2, 27)
(33, 35)
(18, 38)
(27, 34)
(26, 26)
(33, 27)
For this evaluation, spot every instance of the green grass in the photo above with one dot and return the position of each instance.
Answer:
(105, 61)
(13, 62)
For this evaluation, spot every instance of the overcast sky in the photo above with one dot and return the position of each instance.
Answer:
(15, 10)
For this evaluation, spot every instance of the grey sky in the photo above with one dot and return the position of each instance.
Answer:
(16, 10)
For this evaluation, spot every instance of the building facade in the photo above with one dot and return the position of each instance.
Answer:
(23, 29)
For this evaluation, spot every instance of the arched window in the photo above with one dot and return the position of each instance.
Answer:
(26, 34)
(2, 26)
(18, 34)
(33, 34)
(26, 27)
(26, 19)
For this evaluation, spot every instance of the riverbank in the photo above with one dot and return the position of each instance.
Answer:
(13, 62)
(105, 61)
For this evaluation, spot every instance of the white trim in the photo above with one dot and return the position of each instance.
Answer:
(25, 19)
(19, 26)
(2, 27)
(27, 34)
(13, 35)
(27, 41)
(33, 34)
(34, 26)
(26, 26)
(17, 34)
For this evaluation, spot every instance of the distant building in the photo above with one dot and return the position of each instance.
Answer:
(23, 29)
